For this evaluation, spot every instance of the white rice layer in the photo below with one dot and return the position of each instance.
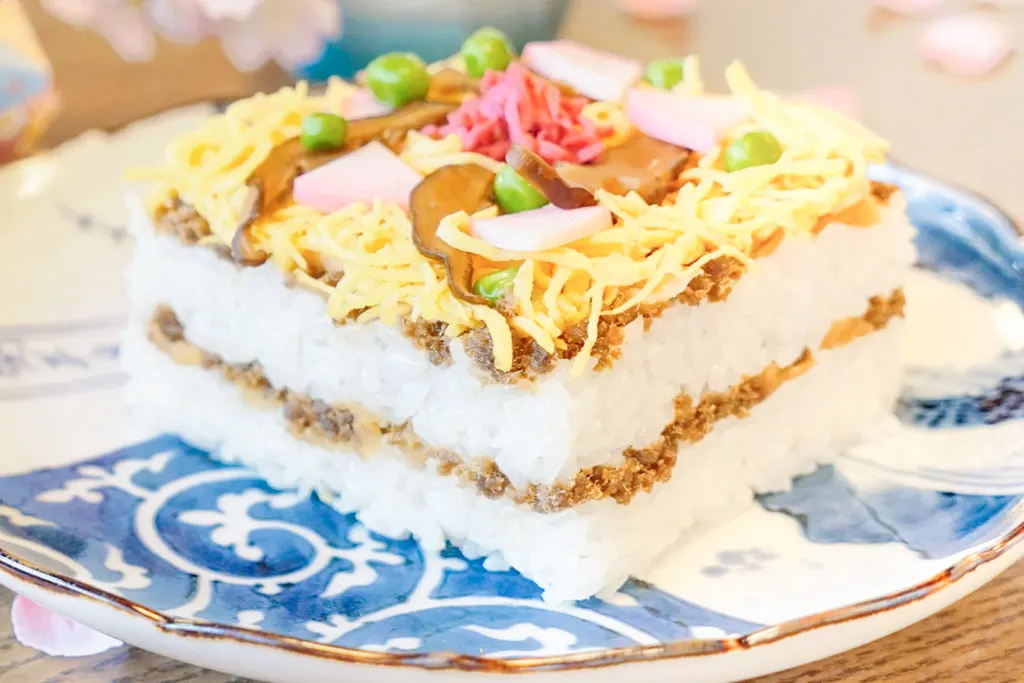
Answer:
(543, 431)
(574, 553)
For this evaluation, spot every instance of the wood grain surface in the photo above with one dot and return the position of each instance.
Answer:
(967, 131)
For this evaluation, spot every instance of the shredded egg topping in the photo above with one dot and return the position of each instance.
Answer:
(649, 254)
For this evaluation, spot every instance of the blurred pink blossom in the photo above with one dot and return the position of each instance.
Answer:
(292, 32)
(967, 44)
(908, 6)
(253, 32)
(657, 9)
(122, 24)
(229, 9)
(180, 21)
(37, 627)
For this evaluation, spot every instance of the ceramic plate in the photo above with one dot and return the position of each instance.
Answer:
(143, 537)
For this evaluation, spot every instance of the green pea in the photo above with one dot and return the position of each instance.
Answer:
(514, 193)
(665, 73)
(486, 50)
(323, 131)
(494, 285)
(756, 148)
(398, 78)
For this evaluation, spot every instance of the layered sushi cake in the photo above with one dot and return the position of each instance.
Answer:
(559, 309)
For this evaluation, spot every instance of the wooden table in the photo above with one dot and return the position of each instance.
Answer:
(957, 129)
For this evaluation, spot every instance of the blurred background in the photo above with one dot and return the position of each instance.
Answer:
(965, 128)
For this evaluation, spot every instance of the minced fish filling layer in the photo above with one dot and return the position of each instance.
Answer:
(353, 428)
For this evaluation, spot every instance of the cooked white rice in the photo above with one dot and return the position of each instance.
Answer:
(571, 554)
(549, 430)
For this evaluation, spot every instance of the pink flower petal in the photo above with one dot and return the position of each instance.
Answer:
(968, 44)
(371, 172)
(39, 628)
(244, 47)
(78, 12)
(180, 21)
(296, 51)
(657, 9)
(291, 31)
(326, 16)
(541, 229)
(295, 30)
(596, 74)
(229, 9)
(908, 7)
(125, 28)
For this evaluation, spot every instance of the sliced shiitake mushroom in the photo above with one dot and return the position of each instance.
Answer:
(642, 164)
(271, 183)
(465, 187)
(243, 248)
(412, 116)
(451, 86)
(545, 178)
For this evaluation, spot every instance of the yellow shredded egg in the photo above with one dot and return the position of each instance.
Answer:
(651, 251)
(426, 155)
(610, 115)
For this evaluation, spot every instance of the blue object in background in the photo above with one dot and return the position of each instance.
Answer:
(433, 29)
(20, 78)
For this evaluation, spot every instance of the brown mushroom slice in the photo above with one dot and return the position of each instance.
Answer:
(243, 248)
(291, 158)
(465, 187)
(270, 185)
(545, 178)
(282, 166)
(642, 164)
(452, 87)
(412, 116)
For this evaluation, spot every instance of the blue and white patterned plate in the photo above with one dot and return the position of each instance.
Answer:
(143, 537)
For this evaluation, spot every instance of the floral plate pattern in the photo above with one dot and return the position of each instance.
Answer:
(144, 537)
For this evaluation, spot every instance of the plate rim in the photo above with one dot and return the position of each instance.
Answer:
(23, 570)
(26, 571)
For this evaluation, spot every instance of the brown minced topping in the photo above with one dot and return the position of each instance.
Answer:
(883, 191)
(880, 311)
(309, 419)
(180, 219)
(693, 421)
(353, 427)
(529, 360)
